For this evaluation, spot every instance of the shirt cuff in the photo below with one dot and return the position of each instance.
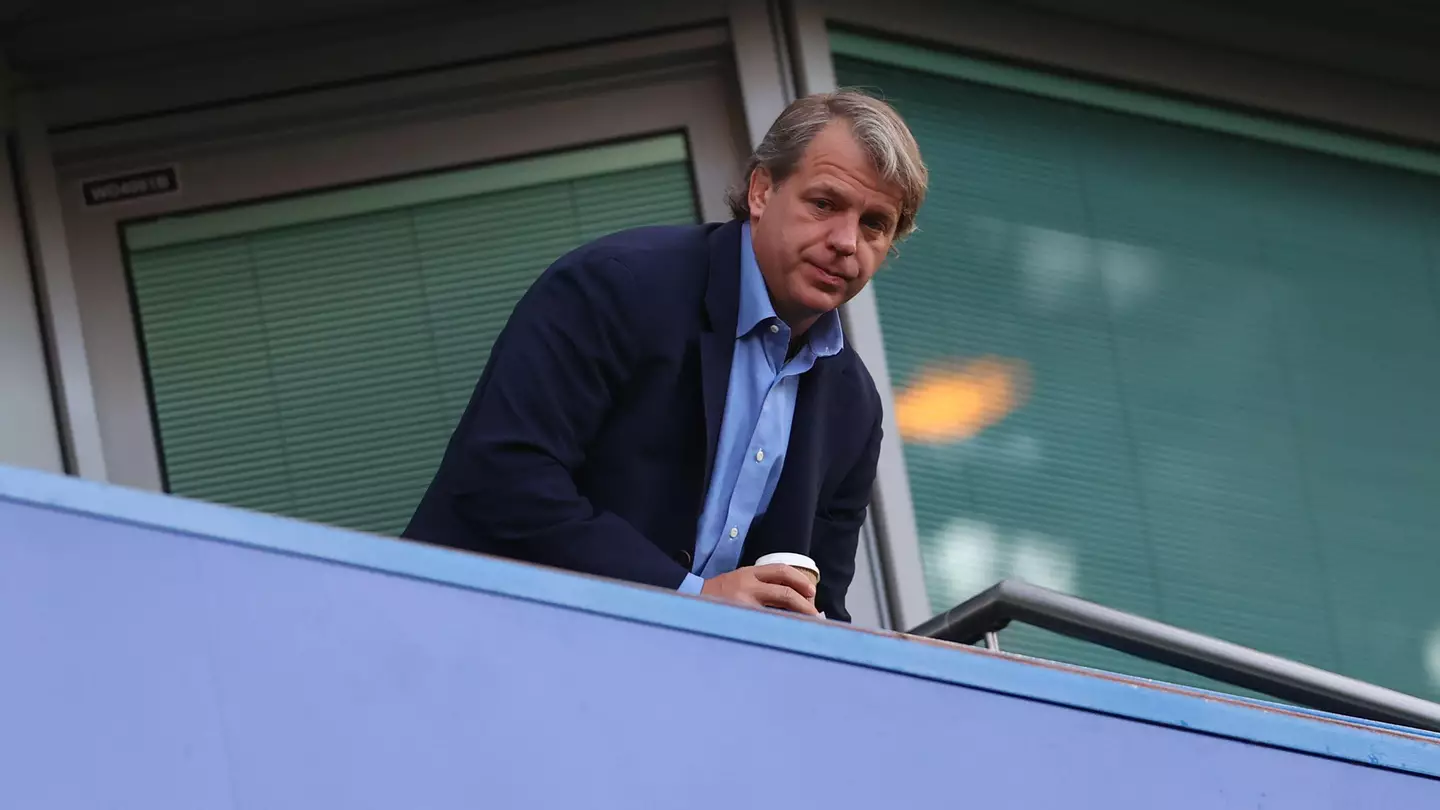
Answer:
(691, 585)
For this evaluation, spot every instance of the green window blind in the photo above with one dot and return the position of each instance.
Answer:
(1185, 371)
(310, 356)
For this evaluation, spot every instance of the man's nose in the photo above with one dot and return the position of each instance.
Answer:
(844, 235)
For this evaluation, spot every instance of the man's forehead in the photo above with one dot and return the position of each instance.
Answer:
(874, 191)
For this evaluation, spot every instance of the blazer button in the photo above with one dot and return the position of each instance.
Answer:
(685, 558)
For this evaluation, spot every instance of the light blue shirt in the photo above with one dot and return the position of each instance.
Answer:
(755, 430)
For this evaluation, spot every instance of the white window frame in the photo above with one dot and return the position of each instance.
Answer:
(351, 148)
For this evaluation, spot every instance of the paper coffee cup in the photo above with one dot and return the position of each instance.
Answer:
(800, 561)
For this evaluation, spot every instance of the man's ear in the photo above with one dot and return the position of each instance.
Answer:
(761, 187)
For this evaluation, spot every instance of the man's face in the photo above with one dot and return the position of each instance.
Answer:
(821, 233)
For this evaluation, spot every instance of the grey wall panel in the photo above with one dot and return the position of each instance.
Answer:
(29, 436)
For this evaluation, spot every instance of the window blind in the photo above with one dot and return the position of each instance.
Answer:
(1171, 369)
(314, 365)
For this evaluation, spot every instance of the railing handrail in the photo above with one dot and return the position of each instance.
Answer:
(1292, 681)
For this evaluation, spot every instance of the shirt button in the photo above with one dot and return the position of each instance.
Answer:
(774, 328)
(734, 532)
(759, 455)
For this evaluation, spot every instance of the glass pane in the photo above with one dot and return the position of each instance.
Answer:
(1175, 372)
(316, 369)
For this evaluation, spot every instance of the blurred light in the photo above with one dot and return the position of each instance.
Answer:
(967, 555)
(1043, 560)
(953, 404)
(1127, 273)
(1055, 266)
(971, 555)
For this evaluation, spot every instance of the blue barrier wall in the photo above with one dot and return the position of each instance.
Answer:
(168, 655)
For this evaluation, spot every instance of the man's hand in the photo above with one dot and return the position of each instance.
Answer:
(777, 586)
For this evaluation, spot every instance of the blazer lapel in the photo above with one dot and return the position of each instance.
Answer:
(717, 337)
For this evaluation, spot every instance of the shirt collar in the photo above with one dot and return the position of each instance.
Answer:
(826, 337)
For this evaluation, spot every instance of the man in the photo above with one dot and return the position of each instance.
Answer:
(667, 405)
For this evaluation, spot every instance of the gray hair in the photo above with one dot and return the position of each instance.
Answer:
(876, 126)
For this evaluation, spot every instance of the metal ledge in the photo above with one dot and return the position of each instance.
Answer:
(1281, 678)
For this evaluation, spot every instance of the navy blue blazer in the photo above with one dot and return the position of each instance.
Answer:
(589, 440)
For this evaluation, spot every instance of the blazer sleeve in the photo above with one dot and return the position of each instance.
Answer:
(555, 373)
(835, 537)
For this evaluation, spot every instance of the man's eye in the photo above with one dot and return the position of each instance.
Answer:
(877, 225)
(823, 204)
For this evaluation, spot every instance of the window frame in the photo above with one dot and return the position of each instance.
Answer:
(355, 148)
(1363, 119)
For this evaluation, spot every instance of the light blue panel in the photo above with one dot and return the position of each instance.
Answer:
(107, 692)
(291, 665)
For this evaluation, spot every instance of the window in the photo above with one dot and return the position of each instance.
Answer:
(1179, 372)
(309, 356)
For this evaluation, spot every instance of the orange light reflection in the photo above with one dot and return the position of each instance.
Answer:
(953, 403)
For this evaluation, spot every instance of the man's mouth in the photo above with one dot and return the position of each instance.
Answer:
(828, 276)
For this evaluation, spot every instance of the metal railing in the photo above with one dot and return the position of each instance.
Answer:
(985, 615)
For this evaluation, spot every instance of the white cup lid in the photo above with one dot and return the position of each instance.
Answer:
(791, 559)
